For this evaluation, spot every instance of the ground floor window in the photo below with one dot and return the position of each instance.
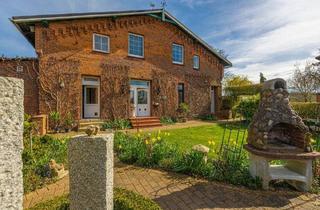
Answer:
(180, 93)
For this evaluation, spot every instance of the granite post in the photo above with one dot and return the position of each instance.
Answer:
(91, 172)
(11, 143)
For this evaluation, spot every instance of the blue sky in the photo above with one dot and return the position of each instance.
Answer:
(268, 36)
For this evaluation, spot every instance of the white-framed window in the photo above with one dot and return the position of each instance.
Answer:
(101, 43)
(196, 62)
(177, 53)
(136, 45)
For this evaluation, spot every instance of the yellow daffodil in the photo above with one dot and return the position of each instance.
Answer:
(153, 139)
(168, 134)
(149, 134)
(159, 138)
(147, 142)
(139, 135)
(120, 146)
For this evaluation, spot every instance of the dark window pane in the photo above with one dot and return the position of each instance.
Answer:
(180, 93)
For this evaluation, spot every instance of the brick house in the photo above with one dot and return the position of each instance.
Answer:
(122, 64)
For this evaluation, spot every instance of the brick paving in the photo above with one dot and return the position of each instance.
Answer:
(177, 191)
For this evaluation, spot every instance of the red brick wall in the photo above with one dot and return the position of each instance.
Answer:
(8, 68)
(72, 39)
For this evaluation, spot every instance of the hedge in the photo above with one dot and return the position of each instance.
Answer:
(307, 110)
(123, 200)
(247, 107)
(243, 90)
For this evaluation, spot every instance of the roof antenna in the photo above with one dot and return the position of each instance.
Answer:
(152, 5)
(163, 6)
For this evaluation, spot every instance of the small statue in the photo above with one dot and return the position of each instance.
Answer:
(308, 142)
(92, 130)
(56, 170)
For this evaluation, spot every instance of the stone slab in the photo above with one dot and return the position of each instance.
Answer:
(11, 142)
(91, 172)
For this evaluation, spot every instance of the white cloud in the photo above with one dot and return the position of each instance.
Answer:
(271, 36)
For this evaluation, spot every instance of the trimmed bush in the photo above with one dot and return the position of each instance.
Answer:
(128, 200)
(243, 90)
(117, 124)
(307, 110)
(168, 120)
(247, 107)
(123, 200)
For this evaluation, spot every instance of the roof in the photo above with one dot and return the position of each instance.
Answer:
(23, 24)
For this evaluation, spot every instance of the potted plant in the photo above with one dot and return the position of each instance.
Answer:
(68, 122)
(183, 111)
(55, 117)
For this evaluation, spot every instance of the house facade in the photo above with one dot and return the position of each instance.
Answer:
(122, 65)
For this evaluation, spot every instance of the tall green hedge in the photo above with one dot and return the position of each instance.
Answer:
(243, 90)
(307, 110)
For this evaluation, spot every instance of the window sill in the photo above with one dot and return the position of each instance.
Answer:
(100, 51)
(176, 63)
(136, 57)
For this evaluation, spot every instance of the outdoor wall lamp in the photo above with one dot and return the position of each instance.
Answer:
(158, 91)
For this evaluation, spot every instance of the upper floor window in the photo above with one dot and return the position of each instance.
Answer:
(101, 43)
(136, 45)
(196, 62)
(177, 53)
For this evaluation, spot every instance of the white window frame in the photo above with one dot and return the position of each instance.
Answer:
(93, 43)
(133, 55)
(176, 62)
(196, 67)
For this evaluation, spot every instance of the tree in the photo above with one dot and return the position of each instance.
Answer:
(305, 80)
(237, 81)
(262, 78)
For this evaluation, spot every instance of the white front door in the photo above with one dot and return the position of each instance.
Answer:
(140, 98)
(212, 95)
(143, 105)
(91, 99)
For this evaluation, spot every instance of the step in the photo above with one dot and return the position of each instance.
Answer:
(147, 125)
(145, 121)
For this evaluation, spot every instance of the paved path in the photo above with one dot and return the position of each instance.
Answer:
(176, 191)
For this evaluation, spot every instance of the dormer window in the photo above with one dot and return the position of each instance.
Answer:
(101, 43)
(136, 45)
(196, 62)
(177, 54)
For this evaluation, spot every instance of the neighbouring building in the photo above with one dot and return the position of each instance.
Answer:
(123, 64)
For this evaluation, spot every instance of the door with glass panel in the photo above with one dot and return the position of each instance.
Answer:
(91, 98)
(140, 98)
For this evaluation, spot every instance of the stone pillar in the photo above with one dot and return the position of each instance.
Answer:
(91, 172)
(11, 143)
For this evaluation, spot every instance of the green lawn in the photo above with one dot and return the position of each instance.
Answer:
(187, 137)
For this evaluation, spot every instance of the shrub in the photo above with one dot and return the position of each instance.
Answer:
(128, 200)
(243, 90)
(168, 120)
(116, 124)
(68, 122)
(184, 108)
(55, 118)
(208, 117)
(122, 200)
(29, 127)
(247, 107)
(35, 160)
(307, 110)
(227, 102)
